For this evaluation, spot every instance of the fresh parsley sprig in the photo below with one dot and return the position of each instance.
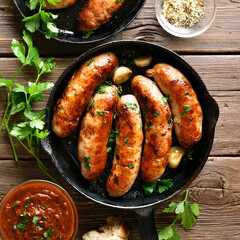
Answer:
(186, 212)
(160, 185)
(21, 99)
(32, 23)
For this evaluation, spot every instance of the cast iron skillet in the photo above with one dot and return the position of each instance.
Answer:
(67, 20)
(64, 151)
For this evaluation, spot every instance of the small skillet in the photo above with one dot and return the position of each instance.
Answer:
(64, 151)
(66, 22)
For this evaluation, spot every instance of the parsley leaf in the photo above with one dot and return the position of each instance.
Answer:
(131, 105)
(87, 163)
(91, 104)
(186, 109)
(87, 34)
(163, 185)
(185, 211)
(169, 233)
(101, 113)
(102, 89)
(156, 114)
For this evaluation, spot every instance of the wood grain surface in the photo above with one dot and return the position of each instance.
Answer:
(215, 55)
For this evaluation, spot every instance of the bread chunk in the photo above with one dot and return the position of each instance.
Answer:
(115, 229)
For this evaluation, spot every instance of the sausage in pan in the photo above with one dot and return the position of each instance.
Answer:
(97, 12)
(79, 90)
(186, 110)
(60, 5)
(95, 129)
(158, 128)
(127, 155)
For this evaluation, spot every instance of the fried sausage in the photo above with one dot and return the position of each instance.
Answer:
(60, 5)
(127, 157)
(95, 129)
(158, 128)
(79, 90)
(95, 13)
(186, 110)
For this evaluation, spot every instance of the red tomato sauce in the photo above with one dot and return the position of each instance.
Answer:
(37, 211)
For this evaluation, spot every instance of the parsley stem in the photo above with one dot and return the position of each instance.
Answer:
(11, 141)
(9, 99)
(186, 195)
(174, 221)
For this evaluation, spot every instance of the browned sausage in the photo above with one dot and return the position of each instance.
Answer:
(127, 155)
(186, 110)
(95, 128)
(59, 5)
(97, 12)
(158, 128)
(79, 90)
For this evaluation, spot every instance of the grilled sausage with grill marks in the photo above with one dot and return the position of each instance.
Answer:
(79, 90)
(94, 134)
(97, 12)
(158, 128)
(186, 110)
(127, 155)
(60, 5)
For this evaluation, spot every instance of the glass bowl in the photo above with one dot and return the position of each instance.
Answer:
(197, 29)
(27, 196)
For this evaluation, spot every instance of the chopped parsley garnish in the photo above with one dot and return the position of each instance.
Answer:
(88, 34)
(131, 105)
(120, 90)
(148, 127)
(186, 94)
(90, 62)
(35, 220)
(23, 214)
(38, 226)
(102, 89)
(131, 166)
(48, 234)
(87, 163)
(104, 122)
(28, 200)
(165, 99)
(178, 123)
(14, 205)
(156, 114)
(43, 219)
(125, 140)
(118, 1)
(114, 114)
(26, 206)
(155, 133)
(75, 94)
(91, 104)
(139, 112)
(114, 92)
(21, 226)
(101, 113)
(186, 109)
(42, 207)
(154, 83)
(170, 120)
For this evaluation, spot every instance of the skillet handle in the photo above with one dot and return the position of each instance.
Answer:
(145, 218)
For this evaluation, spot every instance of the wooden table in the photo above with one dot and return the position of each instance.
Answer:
(216, 57)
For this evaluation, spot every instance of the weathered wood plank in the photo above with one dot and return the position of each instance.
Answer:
(216, 190)
(223, 35)
(221, 76)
